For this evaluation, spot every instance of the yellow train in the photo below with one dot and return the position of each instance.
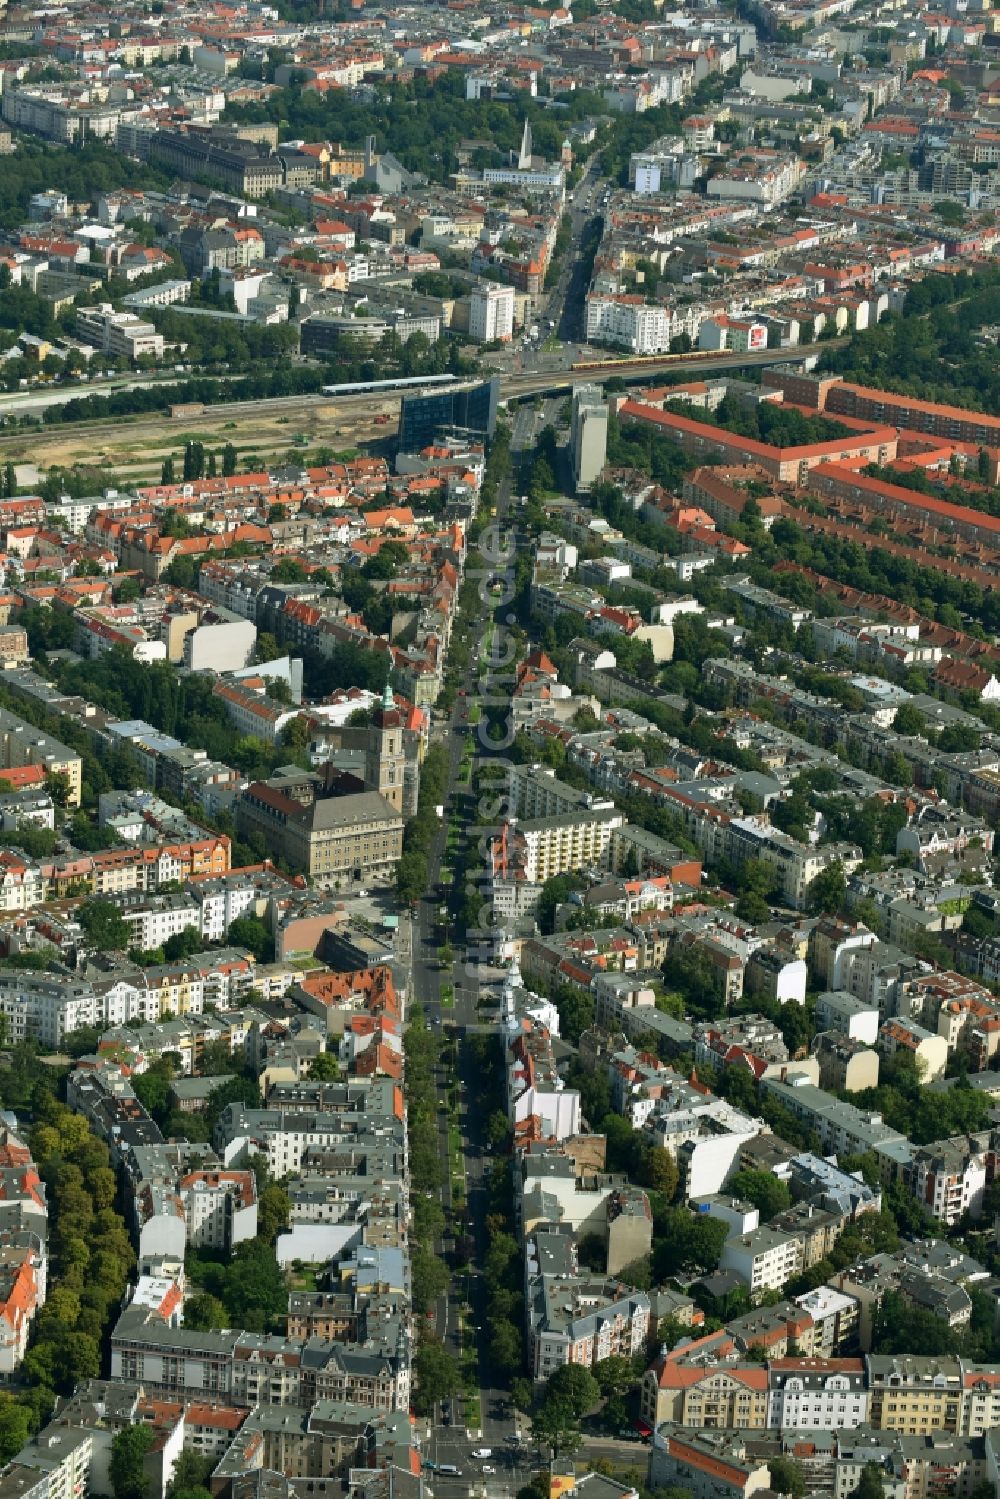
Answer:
(650, 361)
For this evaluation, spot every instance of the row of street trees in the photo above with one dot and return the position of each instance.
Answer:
(90, 1257)
(412, 871)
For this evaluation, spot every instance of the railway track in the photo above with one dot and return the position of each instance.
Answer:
(514, 387)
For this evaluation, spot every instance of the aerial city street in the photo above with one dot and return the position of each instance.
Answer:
(499, 750)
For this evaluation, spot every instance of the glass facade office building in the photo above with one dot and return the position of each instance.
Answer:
(473, 410)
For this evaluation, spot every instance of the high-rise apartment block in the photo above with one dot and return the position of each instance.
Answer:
(491, 313)
(589, 435)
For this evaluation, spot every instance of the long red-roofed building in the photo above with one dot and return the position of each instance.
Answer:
(790, 464)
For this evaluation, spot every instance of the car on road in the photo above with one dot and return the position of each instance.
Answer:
(488, 1469)
(448, 1470)
(482, 1452)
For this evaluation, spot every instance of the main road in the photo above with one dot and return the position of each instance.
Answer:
(460, 1315)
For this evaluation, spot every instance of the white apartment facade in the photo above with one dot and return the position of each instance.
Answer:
(152, 921)
(949, 1176)
(222, 902)
(812, 1394)
(491, 313)
(574, 841)
(220, 1208)
(764, 1259)
(628, 321)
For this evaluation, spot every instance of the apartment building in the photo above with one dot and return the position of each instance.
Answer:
(49, 1009)
(491, 313)
(724, 493)
(764, 1259)
(220, 1208)
(795, 864)
(154, 919)
(253, 712)
(845, 1066)
(842, 398)
(929, 1050)
(236, 164)
(22, 882)
(793, 465)
(179, 1197)
(550, 1187)
(324, 1314)
(707, 1383)
(740, 335)
(915, 1395)
(843, 482)
(285, 1134)
(847, 1015)
(981, 1402)
(52, 111)
(950, 1176)
(842, 1128)
(56, 1464)
(538, 1103)
(361, 1361)
(534, 791)
(702, 1132)
(835, 1317)
(22, 744)
(545, 846)
(762, 177)
(703, 1383)
(728, 1397)
(23, 1249)
(628, 321)
(707, 1464)
(588, 436)
(170, 1360)
(582, 1320)
(816, 1394)
(122, 334)
(914, 1467)
(764, 603)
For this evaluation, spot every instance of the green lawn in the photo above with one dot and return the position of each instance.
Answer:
(306, 1279)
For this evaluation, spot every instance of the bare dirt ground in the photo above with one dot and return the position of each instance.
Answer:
(136, 449)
